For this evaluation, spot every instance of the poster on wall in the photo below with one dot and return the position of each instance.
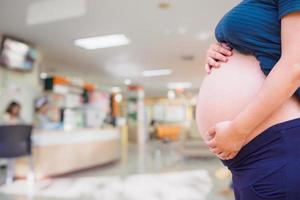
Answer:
(101, 100)
(169, 113)
(159, 112)
(175, 113)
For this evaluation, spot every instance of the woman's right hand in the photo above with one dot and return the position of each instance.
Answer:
(215, 54)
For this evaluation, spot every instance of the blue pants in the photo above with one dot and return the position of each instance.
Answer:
(268, 167)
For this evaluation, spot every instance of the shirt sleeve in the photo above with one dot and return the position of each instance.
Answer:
(288, 6)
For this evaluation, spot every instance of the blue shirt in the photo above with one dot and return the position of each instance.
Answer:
(253, 27)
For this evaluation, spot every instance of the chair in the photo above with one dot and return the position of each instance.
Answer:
(15, 141)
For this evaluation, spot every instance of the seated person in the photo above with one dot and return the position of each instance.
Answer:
(12, 114)
(153, 128)
(42, 120)
(11, 117)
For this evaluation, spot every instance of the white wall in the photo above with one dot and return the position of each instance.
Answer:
(21, 87)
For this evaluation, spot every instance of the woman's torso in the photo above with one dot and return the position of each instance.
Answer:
(11, 120)
(254, 27)
(227, 90)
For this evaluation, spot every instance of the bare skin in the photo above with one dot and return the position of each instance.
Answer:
(226, 138)
(227, 90)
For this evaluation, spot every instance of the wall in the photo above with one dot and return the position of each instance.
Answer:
(23, 87)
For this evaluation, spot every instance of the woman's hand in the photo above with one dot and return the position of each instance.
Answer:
(217, 53)
(225, 140)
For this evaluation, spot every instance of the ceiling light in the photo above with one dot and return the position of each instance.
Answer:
(105, 41)
(188, 57)
(116, 89)
(40, 12)
(43, 75)
(171, 94)
(164, 5)
(122, 69)
(127, 81)
(158, 72)
(179, 85)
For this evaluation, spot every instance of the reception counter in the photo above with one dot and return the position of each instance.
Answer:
(61, 152)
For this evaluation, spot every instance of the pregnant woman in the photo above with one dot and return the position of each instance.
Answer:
(248, 109)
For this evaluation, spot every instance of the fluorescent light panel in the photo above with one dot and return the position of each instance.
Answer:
(105, 41)
(46, 11)
(159, 72)
(181, 85)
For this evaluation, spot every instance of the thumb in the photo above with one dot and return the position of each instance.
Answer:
(207, 68)
(211, 133)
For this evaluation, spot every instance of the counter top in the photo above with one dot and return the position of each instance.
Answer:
(59, 137)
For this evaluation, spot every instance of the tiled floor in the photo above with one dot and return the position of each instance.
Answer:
(153, 158)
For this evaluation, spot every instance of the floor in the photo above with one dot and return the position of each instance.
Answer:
(143, 163)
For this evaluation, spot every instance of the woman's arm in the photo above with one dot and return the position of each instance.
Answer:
(228, 138)
(282, 81)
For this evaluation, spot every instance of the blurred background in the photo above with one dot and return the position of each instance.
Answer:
(97, 100)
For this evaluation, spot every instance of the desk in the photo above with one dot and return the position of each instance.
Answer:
(61, 152)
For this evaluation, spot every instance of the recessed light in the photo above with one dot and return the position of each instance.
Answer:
(127, 81)
(179, 85)
(105, 41)
(188, 57)
(171, 94)
(43, 75)
(164, 5)
(158, 72)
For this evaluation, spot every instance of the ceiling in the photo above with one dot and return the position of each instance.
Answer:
(159, 39)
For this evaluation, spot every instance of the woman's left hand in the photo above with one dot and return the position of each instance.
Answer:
(225, 140)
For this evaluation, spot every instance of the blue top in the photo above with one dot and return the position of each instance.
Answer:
(253, 27)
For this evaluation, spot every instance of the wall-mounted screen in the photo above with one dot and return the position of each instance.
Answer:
(17, 55)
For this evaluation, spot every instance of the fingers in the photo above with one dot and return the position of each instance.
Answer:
(223, 155)
(212, 63)
(215, 151)
(232, 155)
(226, 46)
(227, 156)
(223, 49)
(211, 144)
(217, 55)
(208, 68)
(219, 153)
(211, 133)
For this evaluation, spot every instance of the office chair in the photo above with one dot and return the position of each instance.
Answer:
(15, 142)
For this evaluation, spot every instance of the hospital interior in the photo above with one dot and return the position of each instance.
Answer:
(98, 100)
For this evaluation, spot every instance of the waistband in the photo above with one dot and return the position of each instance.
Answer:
(267, 137)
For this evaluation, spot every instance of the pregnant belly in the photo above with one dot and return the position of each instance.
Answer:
(227, 90)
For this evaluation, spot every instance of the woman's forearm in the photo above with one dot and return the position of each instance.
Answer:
(278, 87)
